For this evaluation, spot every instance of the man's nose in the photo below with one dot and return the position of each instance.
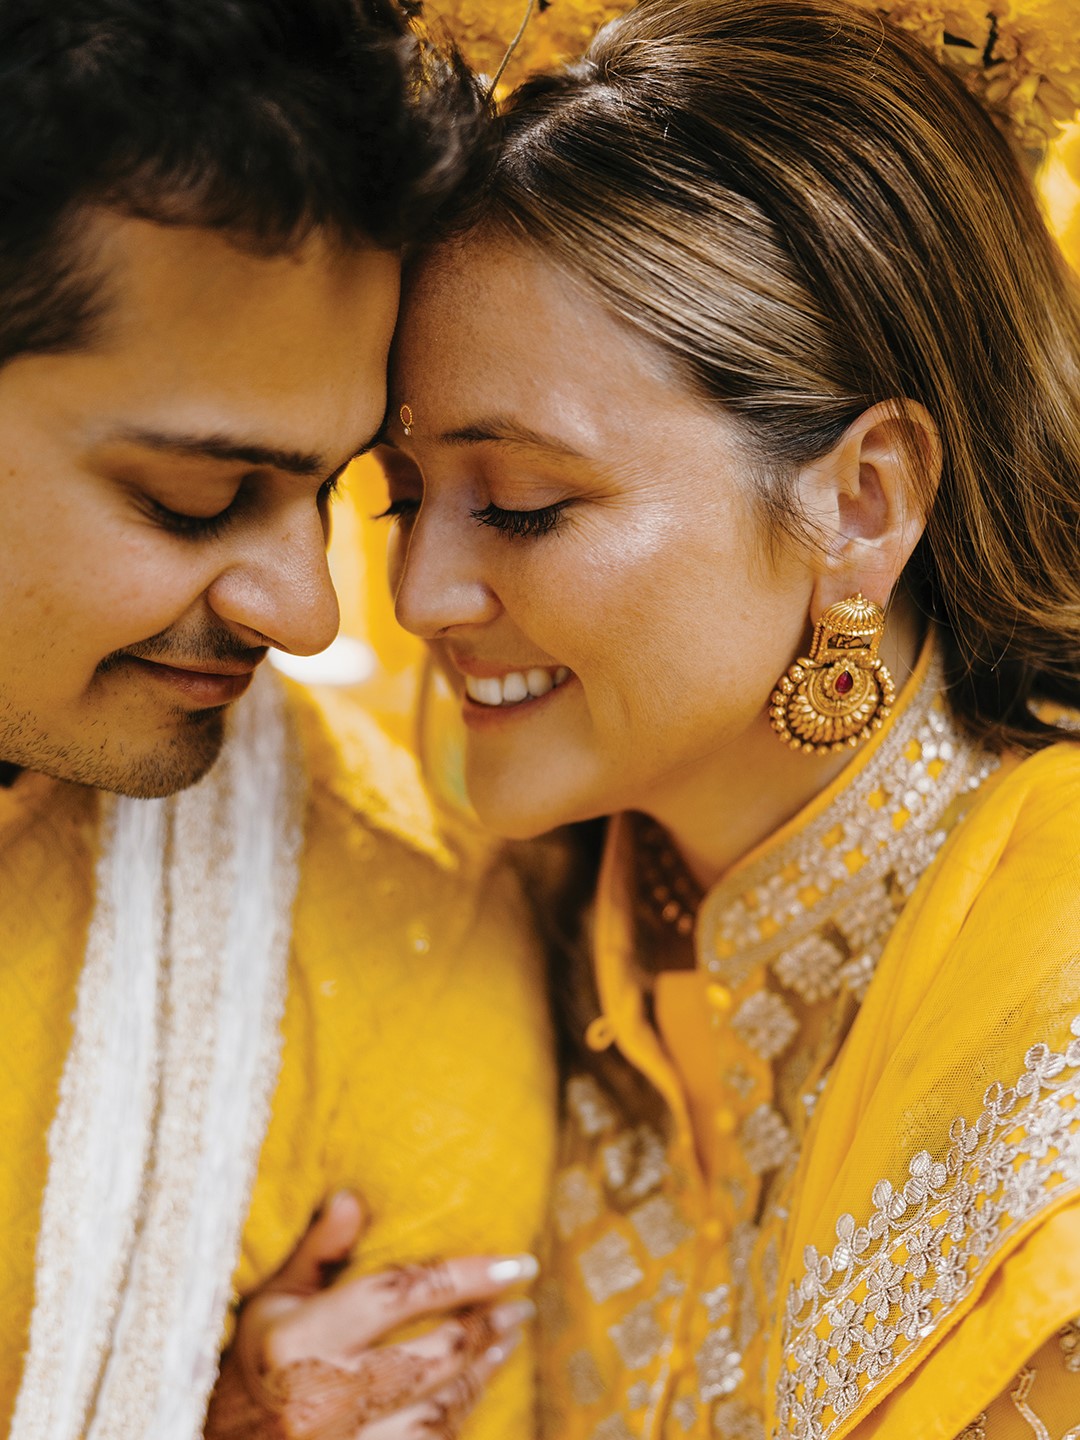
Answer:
(278, 584)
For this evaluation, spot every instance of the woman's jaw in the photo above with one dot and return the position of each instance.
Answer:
(528, 767)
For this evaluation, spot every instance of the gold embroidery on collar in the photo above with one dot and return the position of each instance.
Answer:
(818, 907)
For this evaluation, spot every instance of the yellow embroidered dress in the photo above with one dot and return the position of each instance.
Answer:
(856, 1210)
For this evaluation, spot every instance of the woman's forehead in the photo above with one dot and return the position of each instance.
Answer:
(506, 303)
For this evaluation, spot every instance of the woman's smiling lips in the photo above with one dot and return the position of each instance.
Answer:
(496, 690)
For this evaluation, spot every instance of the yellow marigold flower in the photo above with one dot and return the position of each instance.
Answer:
(557, 32)
(1019, 56)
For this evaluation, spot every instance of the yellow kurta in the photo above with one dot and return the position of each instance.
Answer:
(417, 1058)
(856, 1211)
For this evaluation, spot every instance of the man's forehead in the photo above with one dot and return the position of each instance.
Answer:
(205, 350)
(184, 277)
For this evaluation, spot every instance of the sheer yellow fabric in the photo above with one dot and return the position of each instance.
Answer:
(821, 1237)
(1043, 1400)
(417, 1065)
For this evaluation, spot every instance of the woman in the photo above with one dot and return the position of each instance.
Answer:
(736, 475)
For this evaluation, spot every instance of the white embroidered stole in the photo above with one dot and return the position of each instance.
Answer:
(166, 1094)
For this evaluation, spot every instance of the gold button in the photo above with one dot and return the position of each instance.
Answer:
(725, 1122)
(601, 1034)
(719, 997)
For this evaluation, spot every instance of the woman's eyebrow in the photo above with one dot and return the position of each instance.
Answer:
(499, 430)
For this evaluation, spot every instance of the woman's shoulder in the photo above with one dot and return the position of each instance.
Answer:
(1044, 788)
(1014, 858)
(946, 1155)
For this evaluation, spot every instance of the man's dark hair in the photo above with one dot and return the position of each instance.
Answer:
(262, 119)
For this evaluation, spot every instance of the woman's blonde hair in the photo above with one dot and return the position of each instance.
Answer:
(809, 216)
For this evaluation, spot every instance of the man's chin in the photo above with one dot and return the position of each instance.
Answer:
(131, 764)
(170, 769)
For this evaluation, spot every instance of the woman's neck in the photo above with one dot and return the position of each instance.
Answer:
(744, 793)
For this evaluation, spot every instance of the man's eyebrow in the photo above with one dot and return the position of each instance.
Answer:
(231, 451)
(498, 430)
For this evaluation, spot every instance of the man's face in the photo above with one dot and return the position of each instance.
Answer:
(163, 495)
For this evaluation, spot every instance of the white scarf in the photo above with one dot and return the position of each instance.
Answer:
(165, 1095)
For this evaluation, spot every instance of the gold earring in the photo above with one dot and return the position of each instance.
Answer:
(406, 416)
(841, 692)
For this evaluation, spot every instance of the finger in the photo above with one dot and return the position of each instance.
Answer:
(320, 1398)
(329, 1240)
(442, 1355)
(347, 1318)
(441, 1416)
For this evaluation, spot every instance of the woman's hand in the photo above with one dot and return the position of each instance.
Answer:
(307, 1362)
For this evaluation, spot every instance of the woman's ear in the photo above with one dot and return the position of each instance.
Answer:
(868, 500)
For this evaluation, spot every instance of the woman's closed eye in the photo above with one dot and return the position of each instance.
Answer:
(516, 524)
(521, 524)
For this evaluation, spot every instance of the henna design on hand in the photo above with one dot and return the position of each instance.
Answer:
(476, 1334)
(401, 1283)
(313, 1398)
(452, 1405)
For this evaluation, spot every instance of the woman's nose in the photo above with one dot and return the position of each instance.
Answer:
(438, 579)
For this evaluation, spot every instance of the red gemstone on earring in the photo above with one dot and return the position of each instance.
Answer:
(844, 682)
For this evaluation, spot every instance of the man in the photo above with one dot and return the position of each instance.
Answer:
(202, 204)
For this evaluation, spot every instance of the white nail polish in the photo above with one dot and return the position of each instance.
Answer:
(501, 1351)
(508, 1317)
(513, 1269)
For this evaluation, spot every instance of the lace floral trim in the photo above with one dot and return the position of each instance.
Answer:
(860, 1311)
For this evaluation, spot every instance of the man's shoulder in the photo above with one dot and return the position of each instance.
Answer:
(392, 888)
(360, 775)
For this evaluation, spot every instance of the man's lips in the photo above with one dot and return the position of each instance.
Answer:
(206, 685)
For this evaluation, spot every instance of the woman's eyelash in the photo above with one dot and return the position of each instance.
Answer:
(519, 524)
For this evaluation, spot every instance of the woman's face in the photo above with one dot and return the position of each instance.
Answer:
(577, 542)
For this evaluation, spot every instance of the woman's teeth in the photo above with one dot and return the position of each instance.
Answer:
(519, 685)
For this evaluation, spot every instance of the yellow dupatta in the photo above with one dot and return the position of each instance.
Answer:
(934, 1235)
